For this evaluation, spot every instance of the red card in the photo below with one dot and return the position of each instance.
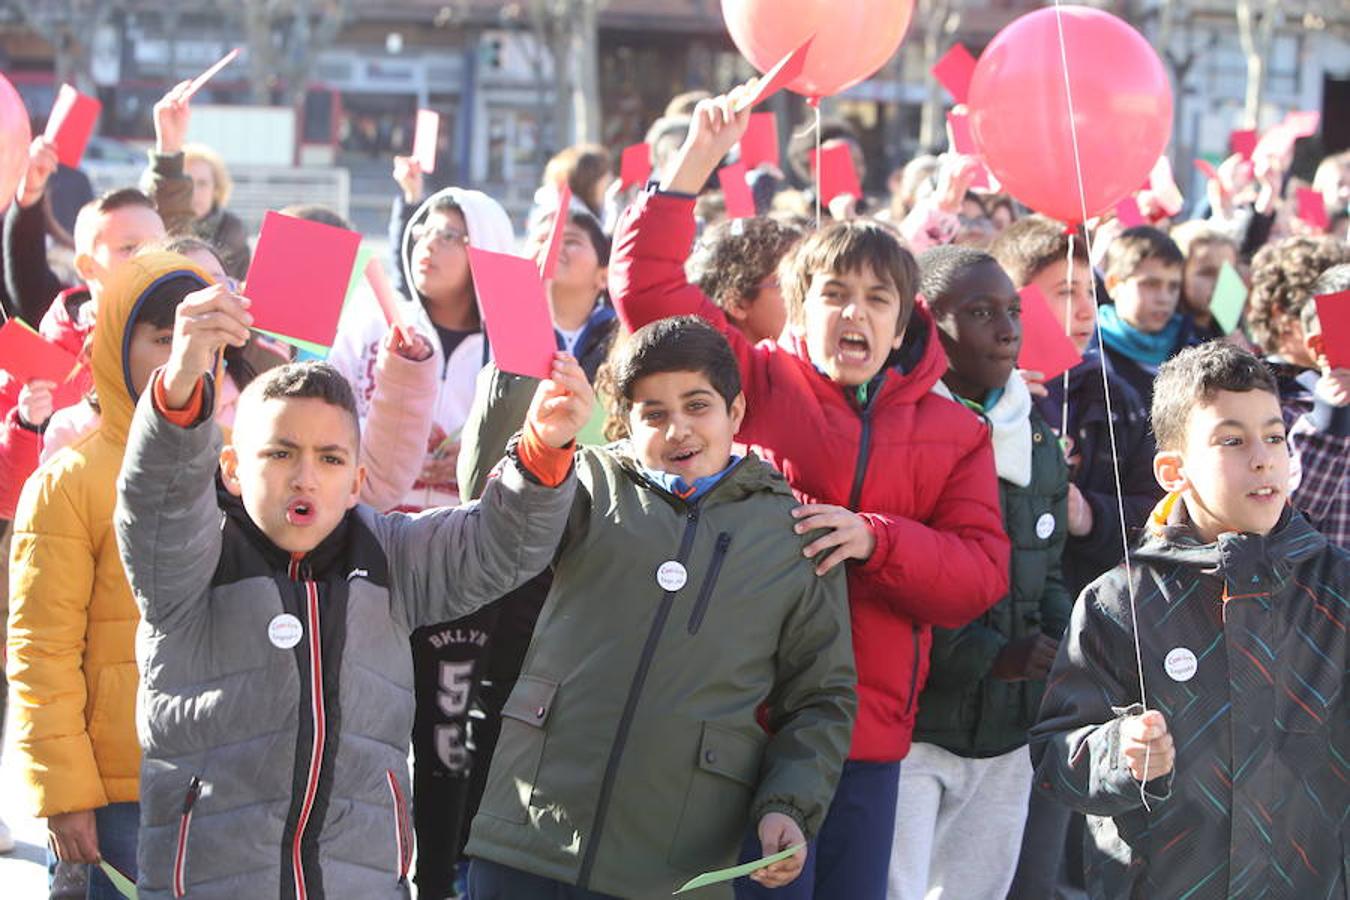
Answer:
(200, 81)
(71, 123)
(1045, 346)
(549, 265)
(1207, 169)
(1313, 209)
(954, 71)
(780, 76)
(28, 355)
(962, 140)
(736, 191)
(835, 172)
(635, 166)
(299, 276)
(1242, 140)
(759, 145)
(384, 292)
(424, 139)
(1333, 316)
(515, 312)
(1129, 214)
(1303, 123)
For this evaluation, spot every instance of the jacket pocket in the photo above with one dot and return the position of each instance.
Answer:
(520, 748)
(709, 582)
(194, 791)
(716, 810)
(402, 835)
(112, 719)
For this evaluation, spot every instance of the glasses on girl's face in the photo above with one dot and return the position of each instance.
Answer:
(424, 234)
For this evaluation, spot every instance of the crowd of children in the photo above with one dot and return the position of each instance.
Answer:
(845, 584)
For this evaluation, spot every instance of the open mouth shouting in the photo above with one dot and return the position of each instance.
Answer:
(300, 512)
(854, 348)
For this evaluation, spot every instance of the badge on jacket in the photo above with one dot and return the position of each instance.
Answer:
(284, 631)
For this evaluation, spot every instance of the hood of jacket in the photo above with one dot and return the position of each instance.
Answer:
(488, 224)
(119, 306)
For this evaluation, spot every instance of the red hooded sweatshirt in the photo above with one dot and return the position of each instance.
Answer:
(918, 467)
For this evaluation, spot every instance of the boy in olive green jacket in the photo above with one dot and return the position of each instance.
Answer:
(631, 757)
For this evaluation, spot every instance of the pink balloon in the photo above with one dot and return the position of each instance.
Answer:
(1019, 112)
(853, 38)
(15, 136)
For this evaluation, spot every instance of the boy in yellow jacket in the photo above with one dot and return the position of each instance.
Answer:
(72, 620)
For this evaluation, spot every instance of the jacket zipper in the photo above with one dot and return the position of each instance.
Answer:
(184, 826)
(860, 468)
(400, 830)
(709, 581)
(317, 745)
(913, 672)
(630, 707)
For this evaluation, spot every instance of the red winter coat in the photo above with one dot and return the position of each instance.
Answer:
(917, 466)
(19, 446)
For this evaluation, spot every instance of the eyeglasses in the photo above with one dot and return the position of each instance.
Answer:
(423, 234)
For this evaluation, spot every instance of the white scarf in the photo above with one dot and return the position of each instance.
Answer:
(1010, 424)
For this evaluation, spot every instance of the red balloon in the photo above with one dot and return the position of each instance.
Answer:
(853, 38)
(15, 136)
(1019, 111)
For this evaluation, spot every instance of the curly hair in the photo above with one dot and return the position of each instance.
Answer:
(1283, 274)
(732, 258)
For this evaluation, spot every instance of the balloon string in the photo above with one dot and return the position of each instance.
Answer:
(815, 105)
(1106, 391)
(1068, 332)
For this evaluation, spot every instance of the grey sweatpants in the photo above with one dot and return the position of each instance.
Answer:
(958, 824)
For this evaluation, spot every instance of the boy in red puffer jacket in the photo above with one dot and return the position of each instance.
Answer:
(902, 478)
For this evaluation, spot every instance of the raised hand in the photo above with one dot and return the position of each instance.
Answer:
(715, 129)
(206, 322)
(42, 162)
(408, 175)
(35, 402)
(172, 114)
(562, 404)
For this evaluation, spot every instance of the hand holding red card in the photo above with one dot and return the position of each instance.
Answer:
(27, 355)
(759, 144)
(299, 277)
(1333, 317)
(780, 76)
(425, 138)
(954, 71)
(1243, 141)
(515, 312)
(736, 191)
(1045, 346)
(835, 173)
(963, 142)
(200, 81)
(548, 266)
(635, 166)
(71, 124)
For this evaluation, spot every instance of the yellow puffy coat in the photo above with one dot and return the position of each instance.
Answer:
(72, 620)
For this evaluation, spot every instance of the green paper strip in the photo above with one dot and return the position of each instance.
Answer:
(1229, 298)
(318, 350)
(734, 872)
(121, 882)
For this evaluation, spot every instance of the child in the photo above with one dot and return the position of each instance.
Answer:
(1226, 777)
(967, 777)
(72, 664)
(583, 318)
(735, 264)
(278, 694)
(1320, 438)
(1143, 329)
(903, 479)
(1206, 251)
(631, 757)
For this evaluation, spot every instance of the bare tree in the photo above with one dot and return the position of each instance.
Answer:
(569, 30)
(1256, 30)
(70, 27)
(941, 20)
(285, 38)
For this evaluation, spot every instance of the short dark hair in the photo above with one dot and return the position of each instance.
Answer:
(1193, 377)
(183, 244)
(307, 381)
(732, 258)
(107, 202)
(847, 247)
(1031, 244)
(678, 344)
(158, 305)
(941, 266)
(594, 230)
(1136, 245)
(317, 212)
(1283, 274)
(1332, 281)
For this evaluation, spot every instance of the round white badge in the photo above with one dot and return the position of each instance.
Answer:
(285, 631)
(1180, 664)
(672, 575)
(1045, 525)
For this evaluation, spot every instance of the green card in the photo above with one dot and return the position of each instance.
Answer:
(124, 885)
(1229, 298)
(592, 434)
(721, 875)
(318, 350)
